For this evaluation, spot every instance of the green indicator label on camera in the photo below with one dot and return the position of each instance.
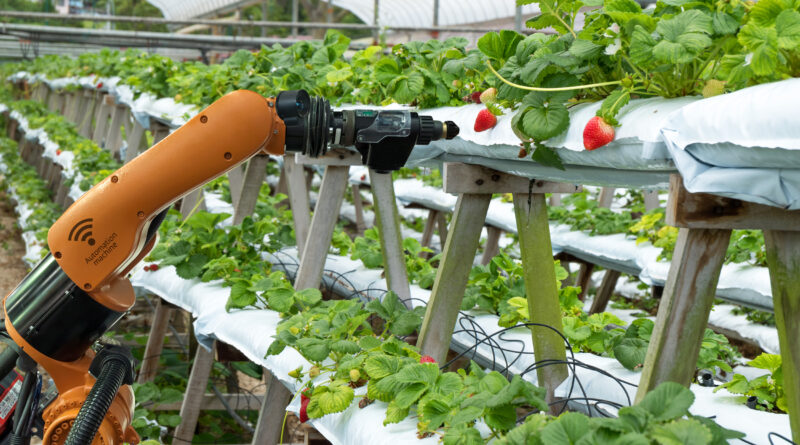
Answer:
(365, 113)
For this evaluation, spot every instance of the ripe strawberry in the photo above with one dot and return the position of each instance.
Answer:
(306, 395)
(237, 270)
(153, 267)
(489, 96)
(363, 177)
(597, 133)
(58, 152)
(426, 359)
(476, 97)
(303, 410)
(484, 121)
(100, 85)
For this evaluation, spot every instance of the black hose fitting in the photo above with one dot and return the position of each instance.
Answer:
(113, 367)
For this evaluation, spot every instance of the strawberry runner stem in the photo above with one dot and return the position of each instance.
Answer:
(524, 87)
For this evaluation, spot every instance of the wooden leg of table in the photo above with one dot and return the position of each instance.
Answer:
(114, 131)
(584, 278)
(101, 122)
(235, 183)
(253, 178)
(298, 200)
(192, 202)
(155, 342)
(430, 225)
(451, 277)
(388, 222)
(541, 287)
(195, 390)
(359, 205)
(492, 244)
(89, 110)
(684, 308)
(135, 139)
(441, 226)
(326, 213)
(270, 418)
(606, 197)
(605, 291)
(651, 200)
(555, 199)
(783, 256)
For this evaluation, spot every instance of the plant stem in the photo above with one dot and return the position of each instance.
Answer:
(577, 87)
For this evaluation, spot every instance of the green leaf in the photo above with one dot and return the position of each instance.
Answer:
(566, 430)
(613, 104)
(668, 401)
(380, 365)
(192, 267)
(499, 46)
(407, 87)
(333, 398)
(386, 69)
(314, 349)
(631, 352)
(724, 23)
(770, 362)
(542, 123)
(426, 373)
(170, 395)
(788, 27)
(339, 75)
(642, 44)
(433, 410)
(170, 420)
(405, 324)
(683, 432)
(369, 342)
(584, 49)
(466, 415)
(410, 394)
(684, 36)
(281, 299)
(308, 297)
(547, 156)
(462, 435)
(394, 413)
(345, 347)
(241, 296)
(766, 12)
(763, 42)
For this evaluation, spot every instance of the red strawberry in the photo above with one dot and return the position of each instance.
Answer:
(305, 395)
(303, 412)
(100, 85)
(363, 177)
(485, 120)
(153, 267)
(237, 270)
(58, 152)
(597, 133)
(476, 97)
(147, 268)
(426, 359)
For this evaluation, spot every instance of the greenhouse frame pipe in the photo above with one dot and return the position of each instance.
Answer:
(241, 23)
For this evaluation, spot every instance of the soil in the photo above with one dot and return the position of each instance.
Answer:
(12, 248)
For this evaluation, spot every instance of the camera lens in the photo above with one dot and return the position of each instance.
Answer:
(301, 107)
(292, 104)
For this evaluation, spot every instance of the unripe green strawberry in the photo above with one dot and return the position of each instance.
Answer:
(489, 96)
(713, 87)
(355, 375)
(313, 372)
(294, 330)
(296, 373)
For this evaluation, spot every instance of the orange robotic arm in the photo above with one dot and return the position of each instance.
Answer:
(78, 292)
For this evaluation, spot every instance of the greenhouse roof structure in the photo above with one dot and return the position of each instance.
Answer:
(392, 13)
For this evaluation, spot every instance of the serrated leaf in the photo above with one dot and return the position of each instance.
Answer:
(668, 401)
(462, 435)
(501, 417)
(369, 342)
(330, 399)
(613, 104)
(410, 394)
(499, 45)
(547, 156)
(770, 362)
(433, 410)
(345, 347)
(308, 297)
(724, 23)
(788, 27)
(542, 123)
(170, 420)
(448, 383)
(566, 430)
(394, 413)
(584, 49)
(313, 349)
(763, 42)
(191, 267)
(425, 373)
(381, 365)
(631, 352)
(684, 36)
(683, 432)
(241, 296)
(281, 299)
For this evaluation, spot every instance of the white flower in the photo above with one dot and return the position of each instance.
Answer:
(613, 48)
(356, 91)
(748, 58)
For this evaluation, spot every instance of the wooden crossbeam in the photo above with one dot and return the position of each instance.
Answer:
(469, 178)
(337, 156)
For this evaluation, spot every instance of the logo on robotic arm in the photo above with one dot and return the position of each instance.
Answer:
(82, 232)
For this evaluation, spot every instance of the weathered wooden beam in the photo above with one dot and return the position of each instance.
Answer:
(541, 287)
(584, 278)
(298, 200)
(91, 99)
(430, 226)
(388, 222)
(492, 247)
(193, 397)
(651, 200)
(605, 291)
(235, 183)
(606, 197)
(705, 211)
(783, 257)
(684, 308)
(101, 120)
(337, 156)
(254, 176)
(326, 214)
(470, 178)
(451, 277)
(358, 203)
(155, 342)
(113, 139)
(210, 402)
(270, 418)
(135, 141)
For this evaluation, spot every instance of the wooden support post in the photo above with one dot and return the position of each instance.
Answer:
(783, 257)
(91, 99)
(326, 213)
(452, 274)
(651, 200)
(388, 222)
(555, 200)
(155, 342)
(298, 200)
(606, 197)
(71, 106)
(101, 119)
(195, 389)
(193, 201)
(235, 183)
(253, 178)
(270, 417)
(114, 135)
(281, 187)
(430, 225)
(684, 308)
(605, 291)
(135, 141)
(541, 287)
(584, 278)
(441, 225)
(361, 226)
(492, 244)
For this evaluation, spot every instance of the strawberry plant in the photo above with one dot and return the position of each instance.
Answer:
(767, 389)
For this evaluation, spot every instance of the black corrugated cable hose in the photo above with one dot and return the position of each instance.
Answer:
(94, 409)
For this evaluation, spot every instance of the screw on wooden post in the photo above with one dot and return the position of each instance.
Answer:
(783, 256)
(388, 222)
(541, 287)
